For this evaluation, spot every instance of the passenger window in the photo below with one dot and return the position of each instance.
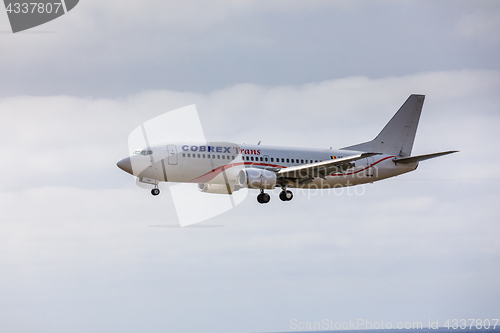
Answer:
(198, 155)
(272, 159)
(203, 155)
(251, 158)
(261, 159)
(183, 154)
(218, 157)
(223, 157)
(266, 159)
(301, 161)
(287, 160)
(293, 160)
(189, 155)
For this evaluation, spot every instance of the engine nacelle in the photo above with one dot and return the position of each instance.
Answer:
(257, 178)
(217, 188)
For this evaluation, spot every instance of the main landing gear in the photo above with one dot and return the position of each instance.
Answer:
(263, 197)
(155, 191)
(286, 195)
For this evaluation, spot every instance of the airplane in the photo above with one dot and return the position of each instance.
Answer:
(225, 167)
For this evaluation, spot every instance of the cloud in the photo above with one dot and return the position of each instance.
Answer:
(481, 25)
(76, 248)
(74, 141)
(114, 49)
(75, 236)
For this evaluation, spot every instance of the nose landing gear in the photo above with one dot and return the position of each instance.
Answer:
(155, 191)
(263, 197)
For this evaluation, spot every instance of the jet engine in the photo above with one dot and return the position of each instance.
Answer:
(257, 178)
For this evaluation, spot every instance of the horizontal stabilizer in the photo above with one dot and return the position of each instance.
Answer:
(418, 158)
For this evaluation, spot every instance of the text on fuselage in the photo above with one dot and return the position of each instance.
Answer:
(218, 149)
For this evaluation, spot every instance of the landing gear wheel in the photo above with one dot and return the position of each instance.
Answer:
(286, 195)
(155, 191)
(263, 198)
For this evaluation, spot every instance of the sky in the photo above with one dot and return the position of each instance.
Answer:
(82, 248)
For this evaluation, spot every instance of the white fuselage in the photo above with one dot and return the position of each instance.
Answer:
(220, 162)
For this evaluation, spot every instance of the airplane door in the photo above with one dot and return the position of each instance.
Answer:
(172, 155)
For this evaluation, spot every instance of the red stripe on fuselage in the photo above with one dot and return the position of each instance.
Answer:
(352, 173)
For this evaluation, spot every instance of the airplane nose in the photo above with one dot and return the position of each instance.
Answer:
(125, 165)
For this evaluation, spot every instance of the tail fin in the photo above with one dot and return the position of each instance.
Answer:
(398, 135)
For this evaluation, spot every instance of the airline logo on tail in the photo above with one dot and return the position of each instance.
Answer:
(24, 14)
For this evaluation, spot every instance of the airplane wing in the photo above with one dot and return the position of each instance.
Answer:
(321, 169)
